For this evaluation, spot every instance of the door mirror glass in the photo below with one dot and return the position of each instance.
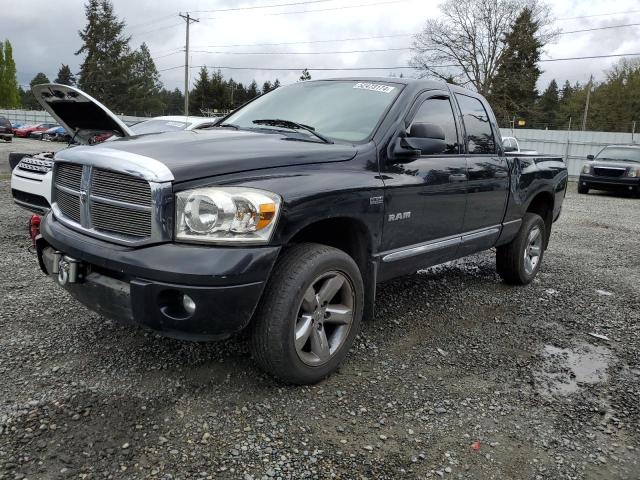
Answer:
(510, 148)
(429, 138)
(590, 157)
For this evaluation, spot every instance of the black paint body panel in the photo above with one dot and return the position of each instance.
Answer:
(478, 199)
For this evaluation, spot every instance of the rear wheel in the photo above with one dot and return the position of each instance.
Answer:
(583, 189)
(518, 262)
(309, 314)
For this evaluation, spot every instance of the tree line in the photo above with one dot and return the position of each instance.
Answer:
(495, 48)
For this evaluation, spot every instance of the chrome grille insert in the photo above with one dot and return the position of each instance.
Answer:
(112, 205)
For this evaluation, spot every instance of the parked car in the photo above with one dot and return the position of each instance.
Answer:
(285, 217)
(6, 132)
(173, 123)
(26, 130)
(16, 125)
(39, 134)
(56, 134)
(614, 168)
(512, 146)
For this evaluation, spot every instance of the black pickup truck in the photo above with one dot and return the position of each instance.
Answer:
(284, 216)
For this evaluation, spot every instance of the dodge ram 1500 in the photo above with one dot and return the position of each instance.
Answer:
(284, 217)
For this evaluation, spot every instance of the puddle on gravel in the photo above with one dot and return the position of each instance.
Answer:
(566, 369)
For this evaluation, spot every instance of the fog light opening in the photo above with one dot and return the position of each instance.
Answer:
(188, 304)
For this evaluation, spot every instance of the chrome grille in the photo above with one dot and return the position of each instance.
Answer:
(113, 204)
(120, 187)
(112, 218)
(69, 204)
(69, 175)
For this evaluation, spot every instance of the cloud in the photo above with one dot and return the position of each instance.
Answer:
(47, 36)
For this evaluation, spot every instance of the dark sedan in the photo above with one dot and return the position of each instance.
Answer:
(6, 132)
(614, 168)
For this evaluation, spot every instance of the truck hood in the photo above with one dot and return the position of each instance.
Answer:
(78, 112)
(190, 155)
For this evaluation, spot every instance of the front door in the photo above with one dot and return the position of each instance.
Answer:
(425, 199)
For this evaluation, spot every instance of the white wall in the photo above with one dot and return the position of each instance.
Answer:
(572, 146)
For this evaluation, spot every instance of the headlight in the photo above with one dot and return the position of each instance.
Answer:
(226, 215)
(586, 169)
(634, 172)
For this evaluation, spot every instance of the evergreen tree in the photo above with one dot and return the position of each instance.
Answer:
(513, 90)
(252, 91)
(548, 106)
(219, 92)
(172, 102)
(29, 101)
(200, 97)
(276, 84)
(9, 91)
(65, 77)
(104, 73)
(305, 75)
(267, 87)
(145, 85)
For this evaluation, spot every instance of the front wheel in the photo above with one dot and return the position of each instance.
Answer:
(309, 314)
(518, 262)
(583, 189)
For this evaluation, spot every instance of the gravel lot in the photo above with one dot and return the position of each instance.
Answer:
(459, 376)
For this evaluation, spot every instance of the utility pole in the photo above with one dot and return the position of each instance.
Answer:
(586, 106)
(189, 20)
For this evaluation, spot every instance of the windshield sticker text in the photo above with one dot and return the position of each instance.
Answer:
(375, 87)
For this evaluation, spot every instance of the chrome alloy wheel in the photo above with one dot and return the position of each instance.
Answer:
(532, 250)
(324, 318)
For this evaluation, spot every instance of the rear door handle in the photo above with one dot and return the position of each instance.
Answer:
(457, 177)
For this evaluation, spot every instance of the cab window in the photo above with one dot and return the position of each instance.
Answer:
(476, 122)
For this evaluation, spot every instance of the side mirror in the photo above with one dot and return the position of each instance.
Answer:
(590, 157)
(510, 148)
(426, 137)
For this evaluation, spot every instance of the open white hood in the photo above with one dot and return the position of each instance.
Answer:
(80, 114)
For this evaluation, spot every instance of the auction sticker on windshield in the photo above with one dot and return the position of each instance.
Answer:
(374, 87)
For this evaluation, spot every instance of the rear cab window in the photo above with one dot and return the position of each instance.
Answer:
(480, 139)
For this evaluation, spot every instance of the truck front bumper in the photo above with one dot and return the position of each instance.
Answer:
(612, 184)
(190, 292)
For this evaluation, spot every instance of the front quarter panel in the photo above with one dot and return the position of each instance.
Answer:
(312, 193)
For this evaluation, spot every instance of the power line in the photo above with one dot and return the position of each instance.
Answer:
(343, 7)
(601, 28)
(373, 37)
(275, 5)
(305, 53)
(599, 15)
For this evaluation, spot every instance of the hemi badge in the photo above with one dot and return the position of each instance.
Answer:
(376, 200)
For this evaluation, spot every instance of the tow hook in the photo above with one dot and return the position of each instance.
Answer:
(67, 268)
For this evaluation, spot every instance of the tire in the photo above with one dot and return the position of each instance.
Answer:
(517, 262)
(583, 189)
(294, 305)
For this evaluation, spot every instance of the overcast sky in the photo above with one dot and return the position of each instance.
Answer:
(45, 35)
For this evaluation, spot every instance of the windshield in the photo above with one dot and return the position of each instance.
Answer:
(620, 154)
(342, 110)
(158, 126)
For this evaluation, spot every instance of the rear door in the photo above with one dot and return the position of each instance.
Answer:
(425, 199)
(488, 173)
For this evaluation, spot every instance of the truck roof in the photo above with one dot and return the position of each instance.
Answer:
(415, 83)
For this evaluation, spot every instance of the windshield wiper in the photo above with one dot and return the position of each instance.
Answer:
(232, 125)
(277, 122)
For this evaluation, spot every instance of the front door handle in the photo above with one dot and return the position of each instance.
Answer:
(457, 177)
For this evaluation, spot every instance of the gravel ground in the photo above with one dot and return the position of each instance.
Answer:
(459, 376)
